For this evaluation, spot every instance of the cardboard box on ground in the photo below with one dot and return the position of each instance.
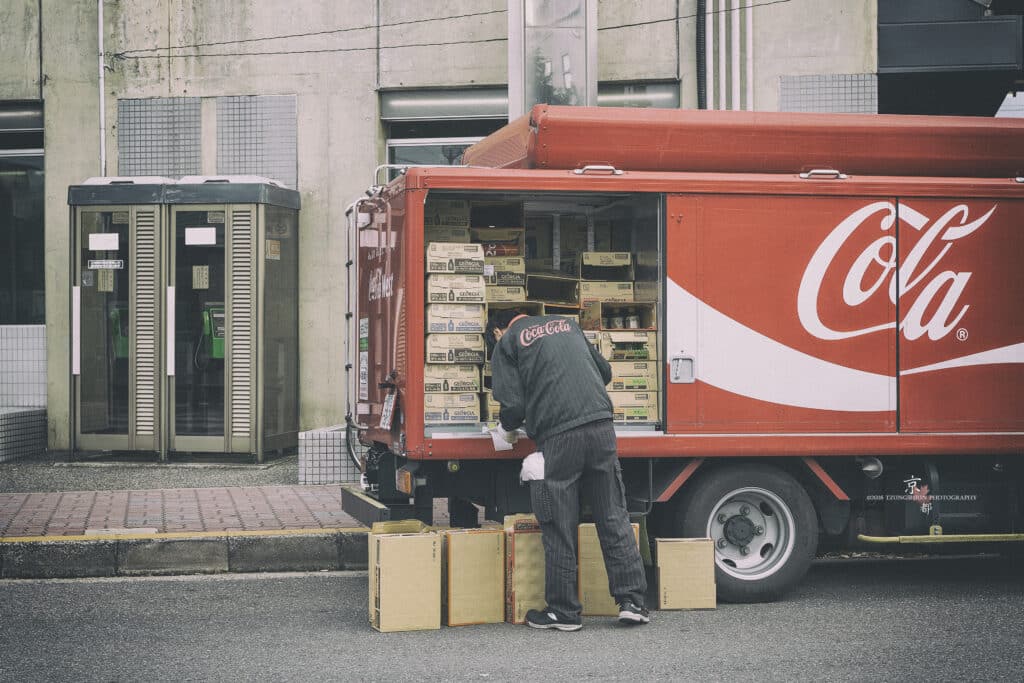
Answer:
(593, 586)
(474, 576)
(686, 573)
(524, 567)
(404, 567)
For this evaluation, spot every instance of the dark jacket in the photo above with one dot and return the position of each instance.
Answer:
(545, 372)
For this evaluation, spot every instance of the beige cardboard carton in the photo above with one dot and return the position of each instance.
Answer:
(452, 257)
(524, 567)
(616, 266)
(605, 315)
(451, 408)
(445, 234)
(455, 289)
(635, 375)
(593, 577)
(686, 573)
(629, 345)
(405, 581)
(446, 212)
(475, 576)
(456, 318)
(634, 406)
(496, 293)
(606, 291)
(491, 407)
(455, 348)
(506, 271)
(451, 379)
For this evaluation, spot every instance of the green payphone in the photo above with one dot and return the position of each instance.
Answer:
(212, 342)
(119, 335)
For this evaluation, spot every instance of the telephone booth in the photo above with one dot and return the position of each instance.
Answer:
(184, 316)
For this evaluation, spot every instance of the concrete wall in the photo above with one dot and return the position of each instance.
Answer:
(19, 50)
(335, 78)
(805, 37)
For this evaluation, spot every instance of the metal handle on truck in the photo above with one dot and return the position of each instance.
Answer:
(682, 370)
(824, 173)
(595, 168)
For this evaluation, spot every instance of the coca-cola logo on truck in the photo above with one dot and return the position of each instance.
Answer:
(932, 297)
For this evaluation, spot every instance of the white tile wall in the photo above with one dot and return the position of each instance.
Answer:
(322, 457)
(23, 365)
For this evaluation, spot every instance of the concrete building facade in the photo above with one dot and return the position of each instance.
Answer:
(312, 92)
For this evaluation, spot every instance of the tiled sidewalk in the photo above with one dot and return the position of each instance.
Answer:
(173, 510)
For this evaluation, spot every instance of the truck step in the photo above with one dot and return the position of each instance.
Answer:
(944, 538)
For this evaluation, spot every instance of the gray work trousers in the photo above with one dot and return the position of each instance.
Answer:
(587, 455)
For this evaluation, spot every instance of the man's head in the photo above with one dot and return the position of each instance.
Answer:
(499, 323)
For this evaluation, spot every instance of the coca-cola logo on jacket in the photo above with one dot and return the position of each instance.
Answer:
(931, 296)
(534, 332)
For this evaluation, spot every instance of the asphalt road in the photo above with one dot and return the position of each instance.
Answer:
(850, 620)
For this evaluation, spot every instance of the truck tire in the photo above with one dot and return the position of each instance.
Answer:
(763, 524)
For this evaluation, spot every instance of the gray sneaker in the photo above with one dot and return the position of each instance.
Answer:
(632, 614)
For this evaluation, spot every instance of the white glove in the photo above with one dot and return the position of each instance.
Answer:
(510, 437)
(533, 467)
(501, 439)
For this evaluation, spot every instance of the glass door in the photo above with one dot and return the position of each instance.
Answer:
(198, 329)
(103, 330)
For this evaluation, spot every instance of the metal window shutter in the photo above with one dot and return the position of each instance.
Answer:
(147, 349)
(243, 313)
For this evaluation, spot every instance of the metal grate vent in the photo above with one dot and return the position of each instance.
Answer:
(257, 135)
(242, 322)
(159, 136)
(147, 347)
(839, 93)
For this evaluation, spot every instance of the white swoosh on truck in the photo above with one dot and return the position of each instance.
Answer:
(738, 359)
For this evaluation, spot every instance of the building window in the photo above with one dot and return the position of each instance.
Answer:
(22, 274)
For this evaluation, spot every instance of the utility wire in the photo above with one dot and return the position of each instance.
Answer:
(305, 52)
(132, 54)
(692, 16)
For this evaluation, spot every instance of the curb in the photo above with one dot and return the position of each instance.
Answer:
(71, 557)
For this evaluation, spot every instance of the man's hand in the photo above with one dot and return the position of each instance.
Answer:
(502, 439)
(510, 437)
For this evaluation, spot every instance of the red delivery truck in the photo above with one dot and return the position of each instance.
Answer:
(815, 323)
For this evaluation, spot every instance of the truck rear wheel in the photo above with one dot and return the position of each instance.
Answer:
(763, 524)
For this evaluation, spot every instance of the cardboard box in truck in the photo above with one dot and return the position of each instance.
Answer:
(634, 406)
(447, 213)
(453, 257)
(500, 241)
(456, 318)
(455, 348)
(506, 271)
(455, 289)
(606, 291)
(638, 375)
(629, 345)
(445, 234)
(499, 294)
(451, 408)
(451, 379)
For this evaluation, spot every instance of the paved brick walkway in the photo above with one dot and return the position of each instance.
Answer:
(173, 510)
